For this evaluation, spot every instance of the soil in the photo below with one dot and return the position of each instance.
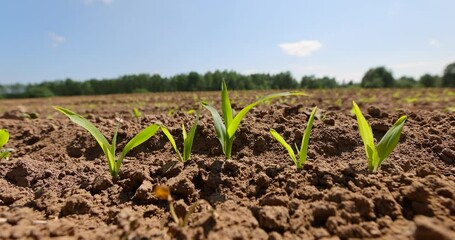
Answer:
(56, 184)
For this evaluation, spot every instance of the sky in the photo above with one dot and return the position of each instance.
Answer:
(83, 39)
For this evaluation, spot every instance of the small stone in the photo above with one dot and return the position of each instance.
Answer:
(101, 183)
(374, 111)
(329, 121)
(181, 185)
(379, 126)
(262, 180)
(445, 192)
(447, 155)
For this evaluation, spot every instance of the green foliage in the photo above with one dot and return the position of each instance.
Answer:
(187, 140)
(4, 138)
(377, 154)
(225, 131)
(377, 78)
(137, 114)
(142, 83)
(304, 145)
(109, 149)
(284, 81)
(406, 82)
(448, 79)
(429, 80)
(39, 91)
(311, 82)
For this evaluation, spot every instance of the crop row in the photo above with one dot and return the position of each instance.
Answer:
(225, 128)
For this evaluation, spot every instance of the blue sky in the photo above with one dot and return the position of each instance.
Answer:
(82, 39)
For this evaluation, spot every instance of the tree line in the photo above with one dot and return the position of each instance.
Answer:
(378, 77)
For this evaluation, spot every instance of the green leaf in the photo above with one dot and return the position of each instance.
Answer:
(172, 141)
(188, 142)
(220, 129)
(184, 133)
(102, 141)
(4, 137)
(4, 154)
(233, 126)
(137, 113)
(141, 137)
(306, 138)
(390, 139)
(226, 104)
(114, 140)
(365, 133)
(372, 155)
(288, 147)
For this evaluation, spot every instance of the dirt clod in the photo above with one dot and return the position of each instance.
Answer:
(273, 218)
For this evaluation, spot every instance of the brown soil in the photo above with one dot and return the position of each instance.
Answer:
(57, 185)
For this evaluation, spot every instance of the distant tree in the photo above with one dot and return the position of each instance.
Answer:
(140, 90)
(37, 91)
(179, 83)
(2, 91)
(448, 79)
(194, 81)
(429, 80)
(327, 82)
(312, 82)
(261, 80)
(284, 80)
(308, 82)
(378, 77)
(217, 78)
(406, 82)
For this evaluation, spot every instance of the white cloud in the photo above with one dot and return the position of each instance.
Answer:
(434, 43)
(56, 39)
(302, 48)
(88, 2)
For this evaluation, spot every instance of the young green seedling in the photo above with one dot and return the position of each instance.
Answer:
(304, 145)
(225, 131)
(377, 154)
(187, 140)
(109, 149)
(163, 193)
(4, 137)
(137, 114)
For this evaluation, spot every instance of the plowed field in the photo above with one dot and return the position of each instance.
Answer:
(57, 183)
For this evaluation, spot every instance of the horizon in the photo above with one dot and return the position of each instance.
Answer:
(101, 39)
